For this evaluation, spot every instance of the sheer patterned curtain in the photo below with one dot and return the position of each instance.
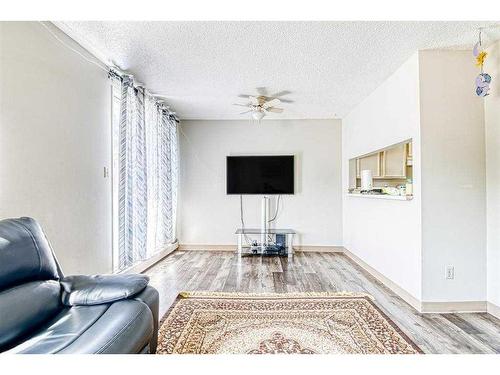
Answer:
(147, 175)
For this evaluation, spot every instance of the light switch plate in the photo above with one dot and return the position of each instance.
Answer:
(450, 272)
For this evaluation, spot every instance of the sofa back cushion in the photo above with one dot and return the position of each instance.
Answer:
(30, 292)
(25, 307)
(25, 254)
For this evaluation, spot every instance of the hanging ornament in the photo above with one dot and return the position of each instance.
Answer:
(476, 49)
(480, 58)
(483, 80)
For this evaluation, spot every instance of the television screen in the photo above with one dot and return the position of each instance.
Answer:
(260, 174)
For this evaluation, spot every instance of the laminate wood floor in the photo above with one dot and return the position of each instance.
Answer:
(317, 272)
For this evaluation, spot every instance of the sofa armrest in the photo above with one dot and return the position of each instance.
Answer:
(151, 298)
(98, 289)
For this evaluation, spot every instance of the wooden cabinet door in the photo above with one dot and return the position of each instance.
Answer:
(394, 162)
(371, 162)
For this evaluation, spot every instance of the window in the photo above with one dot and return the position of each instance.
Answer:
(144, 176)
(115, 126)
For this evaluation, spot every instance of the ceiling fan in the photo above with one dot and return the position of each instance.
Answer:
(260, 105)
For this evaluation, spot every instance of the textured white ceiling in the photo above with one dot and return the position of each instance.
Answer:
(329, 67)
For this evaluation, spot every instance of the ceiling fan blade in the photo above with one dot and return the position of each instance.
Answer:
(286, 101)
(281, 93)
(275, 110)
(253, 100)
(245, 96)
(261, 91)
(241, 105)
(271, 103)
(242, 113)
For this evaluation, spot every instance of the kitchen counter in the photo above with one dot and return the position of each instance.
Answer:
(382, 196)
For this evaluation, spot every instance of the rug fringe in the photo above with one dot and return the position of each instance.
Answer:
(208, 294)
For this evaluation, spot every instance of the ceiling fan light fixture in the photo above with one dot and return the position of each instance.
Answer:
(258, 115)
(259, 106)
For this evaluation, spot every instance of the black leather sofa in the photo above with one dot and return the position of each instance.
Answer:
(42, 311)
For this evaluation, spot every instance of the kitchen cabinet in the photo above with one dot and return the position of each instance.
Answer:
(394, 162)
(371, 162)
(409, 157)
(390, 163)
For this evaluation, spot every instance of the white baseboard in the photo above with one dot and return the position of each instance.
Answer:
(425, 306)
(143, 266)
(304, 248)
(200, 247)
(403, 294)
(453, 307)
(421, 306)
(493, 309)
(319, 249)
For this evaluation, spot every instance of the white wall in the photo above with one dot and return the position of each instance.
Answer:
(453, 178)
(492, 123)
(209, 216)
(54, 143)
(431, 100)
(383, 233)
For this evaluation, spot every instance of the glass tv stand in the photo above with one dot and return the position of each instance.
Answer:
(253, 241)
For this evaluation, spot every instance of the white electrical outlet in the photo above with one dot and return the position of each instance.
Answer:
(450, 272)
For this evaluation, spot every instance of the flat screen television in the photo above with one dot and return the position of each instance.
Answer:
(260, 174)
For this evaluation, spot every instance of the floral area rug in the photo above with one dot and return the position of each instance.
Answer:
(298, 323)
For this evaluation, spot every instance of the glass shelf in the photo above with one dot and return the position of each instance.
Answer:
(260, 231)
(267, 245)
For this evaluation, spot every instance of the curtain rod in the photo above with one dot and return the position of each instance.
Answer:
(495, 26)
(160, 102)
(112, 70)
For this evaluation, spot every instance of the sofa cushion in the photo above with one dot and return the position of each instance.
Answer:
(25, 307)
(97, 289)
(25, 254)
(121, 327)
